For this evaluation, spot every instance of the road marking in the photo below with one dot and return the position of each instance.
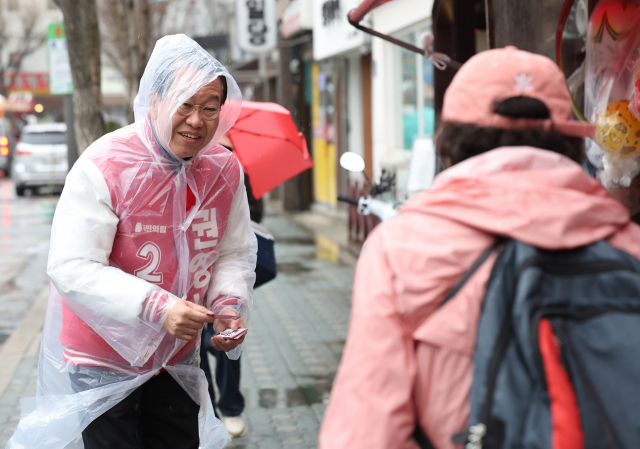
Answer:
(23, 341)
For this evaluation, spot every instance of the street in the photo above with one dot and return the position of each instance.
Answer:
(297, 329)
(25, 226)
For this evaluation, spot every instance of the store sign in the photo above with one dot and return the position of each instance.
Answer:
(19, 102)
(257, 28)
(59, 69)
(35, 82)
(297, 17)
(332, 32)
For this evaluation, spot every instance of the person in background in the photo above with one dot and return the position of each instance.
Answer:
(230, 405)
(512, 154)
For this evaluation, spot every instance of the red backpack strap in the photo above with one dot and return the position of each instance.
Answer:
(566, 426)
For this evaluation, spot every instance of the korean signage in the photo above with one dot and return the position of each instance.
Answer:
(296, 17)
(19, 102)
(256, 22)
(332, 33)
(35, 82)
(59, 69)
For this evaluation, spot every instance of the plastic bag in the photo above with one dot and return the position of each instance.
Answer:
(612, 73)
(136, 230)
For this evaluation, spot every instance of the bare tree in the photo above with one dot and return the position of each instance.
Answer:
(17, 46)
(83, 42)
(129, 30)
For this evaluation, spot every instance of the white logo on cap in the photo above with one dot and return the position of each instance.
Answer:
(523, 83)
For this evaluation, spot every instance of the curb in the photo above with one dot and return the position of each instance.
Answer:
(24, 341)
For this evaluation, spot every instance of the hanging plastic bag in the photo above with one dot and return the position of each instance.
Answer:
(136, 230)
(612, 73)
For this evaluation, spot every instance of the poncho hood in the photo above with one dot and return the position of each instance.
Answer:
(177, 69)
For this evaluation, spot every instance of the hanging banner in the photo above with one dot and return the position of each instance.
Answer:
(60, 82)
(257, 26)
(332, 33)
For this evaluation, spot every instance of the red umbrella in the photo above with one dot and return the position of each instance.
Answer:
(268, 145)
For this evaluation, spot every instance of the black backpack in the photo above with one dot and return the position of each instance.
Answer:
(557, 357)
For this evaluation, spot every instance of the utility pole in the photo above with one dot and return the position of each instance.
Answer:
(69, 119)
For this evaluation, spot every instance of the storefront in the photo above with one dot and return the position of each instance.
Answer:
(295, 93)
(341, 95)
(403, 88)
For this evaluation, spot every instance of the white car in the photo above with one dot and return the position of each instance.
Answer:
(40, 158)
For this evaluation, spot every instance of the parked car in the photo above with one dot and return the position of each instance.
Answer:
(40, 158)
(7, 147)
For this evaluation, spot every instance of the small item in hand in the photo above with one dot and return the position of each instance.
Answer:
(223, 317)
(230, 334)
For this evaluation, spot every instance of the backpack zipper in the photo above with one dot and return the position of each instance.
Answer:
(573, 269)
(564, 311)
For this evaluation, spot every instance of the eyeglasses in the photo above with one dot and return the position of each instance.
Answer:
(209, 112)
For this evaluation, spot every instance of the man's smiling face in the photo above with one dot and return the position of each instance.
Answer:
(192, 133)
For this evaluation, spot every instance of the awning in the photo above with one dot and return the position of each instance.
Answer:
(439, 60)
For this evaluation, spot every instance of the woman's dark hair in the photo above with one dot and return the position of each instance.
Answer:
(459, 141)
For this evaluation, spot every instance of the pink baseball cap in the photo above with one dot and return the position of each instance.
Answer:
(495, 75)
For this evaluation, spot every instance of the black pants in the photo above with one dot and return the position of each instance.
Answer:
(231, 402)
(157, 415)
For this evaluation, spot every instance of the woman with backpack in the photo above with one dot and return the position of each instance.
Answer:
(513, 154)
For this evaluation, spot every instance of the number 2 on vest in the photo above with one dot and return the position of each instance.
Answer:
(150, 252)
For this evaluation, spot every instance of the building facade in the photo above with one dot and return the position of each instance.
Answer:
(403, 89)
(341, 97)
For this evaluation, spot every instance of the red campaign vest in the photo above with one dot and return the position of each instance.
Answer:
(144, 244)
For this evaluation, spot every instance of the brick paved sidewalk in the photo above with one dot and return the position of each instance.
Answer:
(297, 331)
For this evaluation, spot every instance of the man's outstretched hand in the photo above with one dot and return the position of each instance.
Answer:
(219, 342)
(185, 319)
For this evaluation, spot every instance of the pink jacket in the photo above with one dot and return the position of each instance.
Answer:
(406, 360)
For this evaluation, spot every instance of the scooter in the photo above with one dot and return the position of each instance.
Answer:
(375, 203)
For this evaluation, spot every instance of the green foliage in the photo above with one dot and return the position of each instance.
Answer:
(111, 126)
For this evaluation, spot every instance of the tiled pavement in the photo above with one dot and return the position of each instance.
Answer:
(297, 331)
(23, 385)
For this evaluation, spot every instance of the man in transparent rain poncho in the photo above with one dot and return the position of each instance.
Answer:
(150, 241)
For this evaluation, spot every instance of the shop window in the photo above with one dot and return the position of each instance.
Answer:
(415, 76)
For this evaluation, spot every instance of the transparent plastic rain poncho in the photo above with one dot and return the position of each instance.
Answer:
(125, 249)
(612, 90)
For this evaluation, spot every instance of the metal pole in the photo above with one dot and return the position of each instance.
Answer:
(453, 64)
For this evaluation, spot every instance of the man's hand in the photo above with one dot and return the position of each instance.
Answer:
(219, 342)
(185, 319)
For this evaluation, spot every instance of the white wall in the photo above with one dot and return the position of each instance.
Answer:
(398, 14)
(391, 18)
